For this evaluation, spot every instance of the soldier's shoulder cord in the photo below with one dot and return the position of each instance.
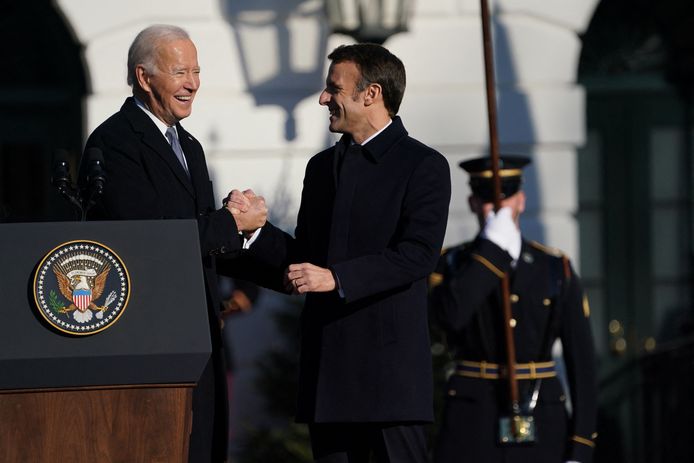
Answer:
(558, 254)
(450, 259)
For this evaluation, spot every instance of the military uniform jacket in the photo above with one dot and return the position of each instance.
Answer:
(547, 303)
(365, 356)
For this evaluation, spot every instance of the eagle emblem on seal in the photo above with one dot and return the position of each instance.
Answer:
(81, 287)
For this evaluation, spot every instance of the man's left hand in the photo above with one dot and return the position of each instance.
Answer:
(309, 278)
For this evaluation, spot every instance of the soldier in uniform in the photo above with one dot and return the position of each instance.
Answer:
(547, 303)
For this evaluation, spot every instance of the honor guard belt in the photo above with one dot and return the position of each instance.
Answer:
(488, 370)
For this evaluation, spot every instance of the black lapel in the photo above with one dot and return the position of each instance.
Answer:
(339, 150)
(153, 138)
(351, 173)
(195, 159)
(350, 176)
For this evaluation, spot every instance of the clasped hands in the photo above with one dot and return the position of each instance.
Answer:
(248, 209)
(250, 213)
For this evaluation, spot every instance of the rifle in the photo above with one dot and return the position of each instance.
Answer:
(517, 428)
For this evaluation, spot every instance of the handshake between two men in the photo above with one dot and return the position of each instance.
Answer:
(250, 213)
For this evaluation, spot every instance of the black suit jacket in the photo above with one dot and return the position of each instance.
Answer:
(145, 180)
(547, 302)
(365, 357)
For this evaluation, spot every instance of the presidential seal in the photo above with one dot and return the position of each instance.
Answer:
(81, 287)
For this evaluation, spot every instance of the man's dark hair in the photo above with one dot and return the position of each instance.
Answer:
(377, 65)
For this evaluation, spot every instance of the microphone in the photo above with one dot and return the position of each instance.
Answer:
(62, 179)
(96, 175)
(93, 160)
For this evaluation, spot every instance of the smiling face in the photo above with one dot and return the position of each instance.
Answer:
(344, 101)
(171, 87)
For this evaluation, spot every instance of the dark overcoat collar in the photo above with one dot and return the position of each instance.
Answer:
(377, 148)
(152, 137)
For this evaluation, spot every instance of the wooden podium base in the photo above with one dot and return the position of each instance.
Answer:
(125, 424)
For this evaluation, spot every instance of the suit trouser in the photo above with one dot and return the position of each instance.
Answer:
(356, 442)
(209, 433)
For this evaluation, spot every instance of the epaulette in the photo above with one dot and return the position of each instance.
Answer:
(556, 252)
(435, 279)
(447, 260)
(460, 246)
(451, 257)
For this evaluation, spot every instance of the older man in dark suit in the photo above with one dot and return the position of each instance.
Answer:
(157, 170)
(370, 227)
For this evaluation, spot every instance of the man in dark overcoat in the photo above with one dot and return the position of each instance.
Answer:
(155, 169)
(370, 228)
(547, 303)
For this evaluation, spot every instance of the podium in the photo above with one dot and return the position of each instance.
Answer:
(122, 393)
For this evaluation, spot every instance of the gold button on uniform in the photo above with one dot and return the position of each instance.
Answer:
(514, 298)
(451, 392)
(546, 301)
(512, 323)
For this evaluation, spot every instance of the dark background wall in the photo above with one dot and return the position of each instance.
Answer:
(43, 82)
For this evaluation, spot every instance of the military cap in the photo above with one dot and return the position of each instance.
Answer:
(510, 171)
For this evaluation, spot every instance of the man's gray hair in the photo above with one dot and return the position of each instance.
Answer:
(143, 49)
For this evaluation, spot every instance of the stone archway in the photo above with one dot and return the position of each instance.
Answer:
(40, 109)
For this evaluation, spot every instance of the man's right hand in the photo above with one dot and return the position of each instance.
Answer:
(250, 212)
(236, 202)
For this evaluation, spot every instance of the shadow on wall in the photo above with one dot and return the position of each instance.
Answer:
(282, 46)
(516, 129)
(282, 49)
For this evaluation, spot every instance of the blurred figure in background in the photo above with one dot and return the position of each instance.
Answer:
(547, 303)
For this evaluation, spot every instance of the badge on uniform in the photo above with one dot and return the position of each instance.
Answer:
(517, 429)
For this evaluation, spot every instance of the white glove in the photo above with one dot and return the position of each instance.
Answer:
(501, 230)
